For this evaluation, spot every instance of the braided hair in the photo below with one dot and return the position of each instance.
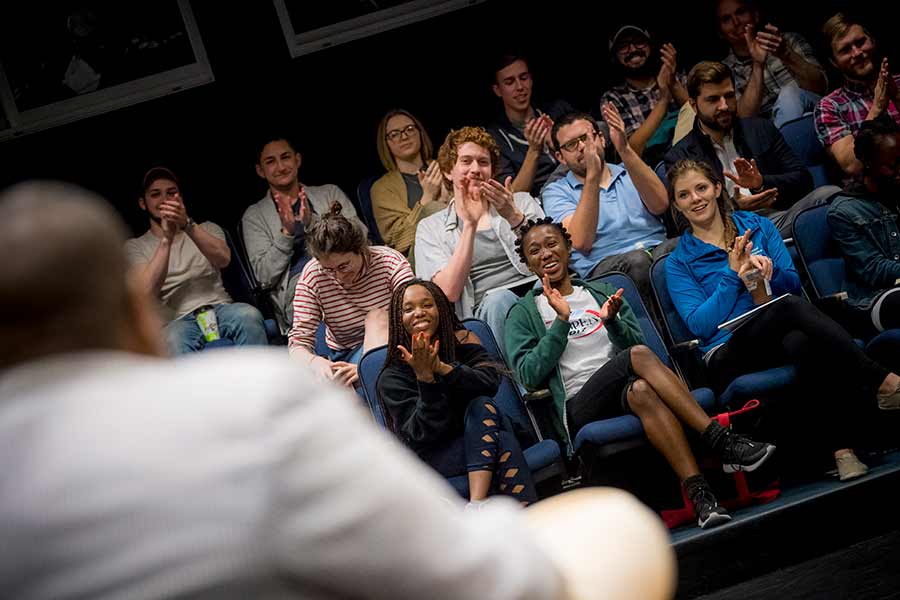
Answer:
(531, 224)
(448, 323)
(865, 146)
(684, 166)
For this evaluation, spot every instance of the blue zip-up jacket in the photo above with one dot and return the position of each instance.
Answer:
(707, 292)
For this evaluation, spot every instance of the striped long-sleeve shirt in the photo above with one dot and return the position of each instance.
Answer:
(319, 296)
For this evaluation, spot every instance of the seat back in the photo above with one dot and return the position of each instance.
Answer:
(676, 329)
(369, 368)
(508, 398)
(242, 285)
(800, 135)
(652, 338)
(660, 170)
(819, 253)
(364, 197)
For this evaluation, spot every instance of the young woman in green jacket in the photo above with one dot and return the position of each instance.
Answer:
(581, 340)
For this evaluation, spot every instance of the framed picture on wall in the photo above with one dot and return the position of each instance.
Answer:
(65, 61)
(312, 26)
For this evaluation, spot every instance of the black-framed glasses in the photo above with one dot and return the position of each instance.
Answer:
(395, 134)
(572, 145)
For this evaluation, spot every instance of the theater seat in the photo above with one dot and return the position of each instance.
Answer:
(364, 197)
(800, 135)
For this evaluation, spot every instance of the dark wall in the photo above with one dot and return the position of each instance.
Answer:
(331, 101)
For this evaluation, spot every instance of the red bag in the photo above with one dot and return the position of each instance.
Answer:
(744, 496)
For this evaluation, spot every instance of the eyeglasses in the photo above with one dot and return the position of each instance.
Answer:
(624, 45)
(572, 145)
(342, 268)
(395, 134)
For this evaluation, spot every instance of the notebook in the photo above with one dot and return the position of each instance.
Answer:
(738, 321)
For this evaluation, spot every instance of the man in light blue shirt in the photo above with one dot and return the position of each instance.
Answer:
(612, 212)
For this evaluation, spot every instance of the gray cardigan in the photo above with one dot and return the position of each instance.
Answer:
(270, 251)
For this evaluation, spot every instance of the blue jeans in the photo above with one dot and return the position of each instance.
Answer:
(792, 103)
(492, 310)
(238, 322)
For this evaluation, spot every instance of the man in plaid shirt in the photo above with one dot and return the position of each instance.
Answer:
(651, 95)
(868, 91)
(775, 74)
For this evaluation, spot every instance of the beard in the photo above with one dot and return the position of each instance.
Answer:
(648, 69)
(713, 122)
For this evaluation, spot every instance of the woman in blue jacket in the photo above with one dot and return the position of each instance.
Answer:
(705, 278)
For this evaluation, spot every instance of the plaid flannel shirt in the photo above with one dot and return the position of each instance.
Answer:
(841, 112)
(635, 104)
(775, 74)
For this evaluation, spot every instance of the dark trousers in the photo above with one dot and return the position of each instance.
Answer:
(832, 369)
(487, 444)
(603, 395)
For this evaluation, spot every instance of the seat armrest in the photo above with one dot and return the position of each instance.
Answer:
(539, 405)
(689, 363)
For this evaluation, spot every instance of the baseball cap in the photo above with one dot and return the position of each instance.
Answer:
(626, 29)
(158, 173)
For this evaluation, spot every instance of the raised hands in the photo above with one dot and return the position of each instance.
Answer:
(758, 51)
(537, 132)
(431, 180)
(611, 307)
(885, 87)
(423, 357)
(745, 174)
(616, 127)
(500, 197)
(739, 255)
(666, 76)
(284, 205)
(173, 215)
(556, 300)
(769, 39)
(469, 204)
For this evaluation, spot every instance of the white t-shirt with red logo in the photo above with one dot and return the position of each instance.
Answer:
(589, 347)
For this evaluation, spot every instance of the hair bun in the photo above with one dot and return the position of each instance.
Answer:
(335, 209)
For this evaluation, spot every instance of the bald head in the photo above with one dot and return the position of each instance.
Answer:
(63, 272)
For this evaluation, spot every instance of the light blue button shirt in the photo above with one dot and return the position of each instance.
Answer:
(624, 223)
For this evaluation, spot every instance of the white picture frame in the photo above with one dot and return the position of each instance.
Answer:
(16, 121)
(377, 21)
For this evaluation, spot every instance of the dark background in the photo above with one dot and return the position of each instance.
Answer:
(330, 101)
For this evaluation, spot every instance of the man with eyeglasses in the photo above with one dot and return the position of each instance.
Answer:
(522, 130)
(612, 211)
(274, 229)
(652, 94)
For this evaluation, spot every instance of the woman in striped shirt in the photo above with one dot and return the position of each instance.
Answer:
(347, 285)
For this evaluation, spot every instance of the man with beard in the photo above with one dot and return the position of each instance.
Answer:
(868, 90)
(522, 130)
(776, 74)
(181, 261)
(275, 227)
(611, 211)
(760, 172)
(865, 222)
(651, 95)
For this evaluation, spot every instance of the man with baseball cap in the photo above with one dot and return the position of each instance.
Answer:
(181, 261)
(652, 93)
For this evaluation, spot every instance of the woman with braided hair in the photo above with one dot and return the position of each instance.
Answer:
(708, 276)
(581, 340)
(437, 388)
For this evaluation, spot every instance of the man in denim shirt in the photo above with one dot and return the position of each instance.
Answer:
(865, 225)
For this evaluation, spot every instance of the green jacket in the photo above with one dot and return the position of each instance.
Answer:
(534, 350)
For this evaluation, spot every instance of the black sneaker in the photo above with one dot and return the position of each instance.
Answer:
(709, 513)
(743, 454)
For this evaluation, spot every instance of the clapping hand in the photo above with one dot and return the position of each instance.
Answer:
(468, 201)
(616, 127)
(666, 76)
(611, 307)
(758, 51)
(423, 357)
(770, 40)
(556, 300)
(431, 180)
(284, 205)
(764, 199)
(500, 197)
(173, 215)
(537, 131)
(746, 174)
(740, 252)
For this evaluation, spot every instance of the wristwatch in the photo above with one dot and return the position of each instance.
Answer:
(190, 223)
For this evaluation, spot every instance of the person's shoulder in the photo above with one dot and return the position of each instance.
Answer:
(385, 180)
(434, 220)
(556, 108)
(387, 254)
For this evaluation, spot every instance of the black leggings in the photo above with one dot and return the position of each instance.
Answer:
(829, 363)
(603, 395)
